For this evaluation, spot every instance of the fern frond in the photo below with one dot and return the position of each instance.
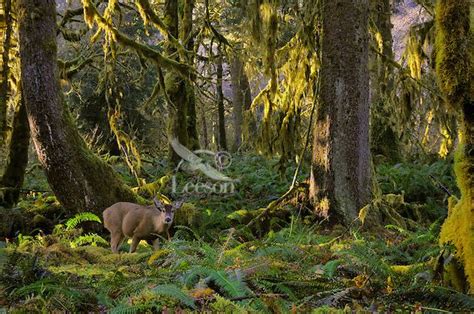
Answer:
(90, 238)
(175, 292)
(81, 217)
(231, 282)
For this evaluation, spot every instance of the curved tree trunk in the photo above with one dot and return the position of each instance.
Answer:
(340, 175)
(12, 179)
(80, 180)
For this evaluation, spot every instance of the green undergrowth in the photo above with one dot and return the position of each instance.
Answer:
(298, 268)
(216, 264)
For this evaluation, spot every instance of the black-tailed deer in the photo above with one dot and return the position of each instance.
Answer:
(139, 222)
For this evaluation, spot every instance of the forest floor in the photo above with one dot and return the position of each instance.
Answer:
(284, 262)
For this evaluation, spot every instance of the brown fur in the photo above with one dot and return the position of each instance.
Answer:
(138, 223)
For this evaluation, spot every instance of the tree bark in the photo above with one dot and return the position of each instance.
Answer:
(175, 86)
(80, 180)
(12, 179)
(244, 128)
(340, 174)
(186, 34)
(5, 69)
(220, 104)
(236, 69)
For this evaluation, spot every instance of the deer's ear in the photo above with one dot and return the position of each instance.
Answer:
(158, 204)
(178, 204)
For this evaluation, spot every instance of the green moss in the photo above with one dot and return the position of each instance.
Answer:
(458, 228)
(452, 51)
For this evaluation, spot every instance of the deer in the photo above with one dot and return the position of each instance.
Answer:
(139, 222)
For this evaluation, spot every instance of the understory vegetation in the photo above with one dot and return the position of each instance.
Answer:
(217, 262)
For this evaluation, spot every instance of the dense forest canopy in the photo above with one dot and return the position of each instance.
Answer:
(274, 155)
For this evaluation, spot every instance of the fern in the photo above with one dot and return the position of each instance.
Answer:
(81, 217)
(175, 292)
(90, 238)
(231, 282)
(127, 309)
(46, 287)
(364, 255)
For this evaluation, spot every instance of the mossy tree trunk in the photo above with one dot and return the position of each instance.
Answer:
(384, 138)
(187, 37)
(241, 99)
(455, 71)
(340, 175)
(12, 179)
(222, 140)
(7, 35)
(80, 180)
(175, 86)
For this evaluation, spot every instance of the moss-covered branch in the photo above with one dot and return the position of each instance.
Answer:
(91, 15)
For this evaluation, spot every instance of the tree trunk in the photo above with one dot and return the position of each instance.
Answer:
(384, 138)
(454, 67)
(220, 104)
(12, 179)
(244, 122)
(186, 34)
(175, 87)
(340, 174)
(5, 69)
(236, 69)
(205, 134)
(80, 180)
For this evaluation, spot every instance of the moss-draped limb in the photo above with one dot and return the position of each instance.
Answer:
(91, 15)
(149, 15)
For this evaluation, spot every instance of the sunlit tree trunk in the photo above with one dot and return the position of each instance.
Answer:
(455, 72)
(7, 34)
(220, 104)
(80, 180)
(340, 174)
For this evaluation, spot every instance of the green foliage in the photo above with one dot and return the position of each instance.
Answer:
(81, 217)
(91, 238)
(175, 292)
(414, 180)
(214, 264)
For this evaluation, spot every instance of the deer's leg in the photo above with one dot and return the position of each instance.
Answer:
(156, 244)
(134, 245)
(115, 239)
